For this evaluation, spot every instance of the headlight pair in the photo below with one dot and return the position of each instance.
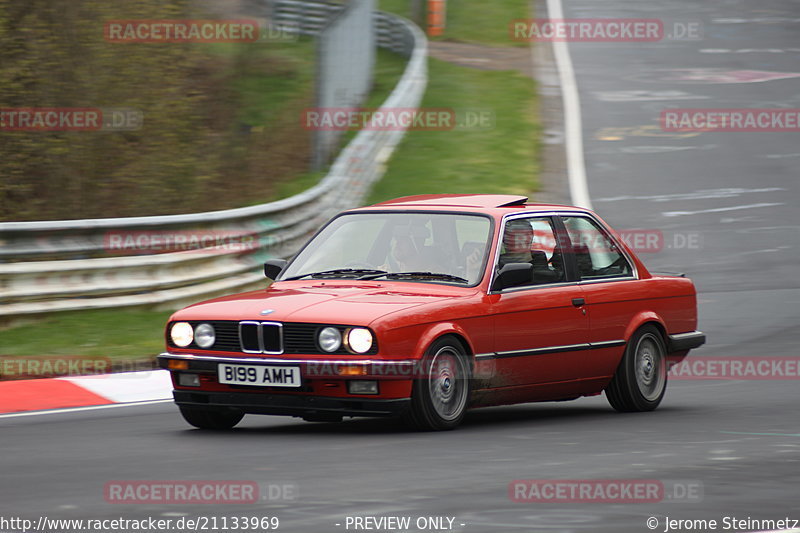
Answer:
(356, 340)
(182, 334)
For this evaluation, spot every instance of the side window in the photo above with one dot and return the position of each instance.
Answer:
(596, 254)
(532, 240)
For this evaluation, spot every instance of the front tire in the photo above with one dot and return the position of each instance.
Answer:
(441, 389)
(640, 381)
(211, 418)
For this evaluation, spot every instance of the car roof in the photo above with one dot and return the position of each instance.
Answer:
(470, 202)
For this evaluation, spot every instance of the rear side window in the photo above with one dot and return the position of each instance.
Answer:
(596, 253)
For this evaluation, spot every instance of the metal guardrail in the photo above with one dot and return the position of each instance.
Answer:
(68, 265)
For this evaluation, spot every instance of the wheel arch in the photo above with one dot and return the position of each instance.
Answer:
(444, 329)
(643, 319)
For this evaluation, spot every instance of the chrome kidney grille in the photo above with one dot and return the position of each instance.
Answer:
(261, 337)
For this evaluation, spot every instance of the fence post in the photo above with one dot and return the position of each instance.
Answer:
(418, 12)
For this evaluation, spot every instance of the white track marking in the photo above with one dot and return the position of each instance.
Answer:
(718, 209)
(573, 127)
(128, 386)
(79, 409)
(730, 192)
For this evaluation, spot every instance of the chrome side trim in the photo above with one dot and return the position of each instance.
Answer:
(545, 350)
(607, 280)
(512, 290)
(607, 344)
(553, 349)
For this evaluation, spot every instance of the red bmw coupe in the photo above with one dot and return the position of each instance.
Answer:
(426, 306)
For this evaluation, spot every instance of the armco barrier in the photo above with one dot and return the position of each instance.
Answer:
(66, 265)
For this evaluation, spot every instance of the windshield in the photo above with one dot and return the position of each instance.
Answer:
(434, 247)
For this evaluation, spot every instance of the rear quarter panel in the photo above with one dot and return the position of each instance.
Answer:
(618, 309)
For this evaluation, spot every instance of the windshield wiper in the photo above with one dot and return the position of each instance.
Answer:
(417, 275)
(355, 272)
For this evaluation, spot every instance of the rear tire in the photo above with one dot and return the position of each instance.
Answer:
(640, 381)
(441, 388)
(217, 419)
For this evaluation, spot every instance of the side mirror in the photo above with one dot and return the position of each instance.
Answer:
(274, 267)
(513, 275)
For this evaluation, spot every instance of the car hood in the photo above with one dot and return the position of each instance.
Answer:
(331, 301)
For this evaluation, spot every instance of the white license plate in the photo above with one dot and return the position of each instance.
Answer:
(259, 376)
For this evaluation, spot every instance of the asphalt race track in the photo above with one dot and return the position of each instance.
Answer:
(726, 206)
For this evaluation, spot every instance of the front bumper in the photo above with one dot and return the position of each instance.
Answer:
(276, 404)
(314, 398)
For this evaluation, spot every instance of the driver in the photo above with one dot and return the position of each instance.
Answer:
(405, 255)
(517, 241)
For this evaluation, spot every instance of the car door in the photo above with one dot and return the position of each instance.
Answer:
(610, 289)
(540, 327)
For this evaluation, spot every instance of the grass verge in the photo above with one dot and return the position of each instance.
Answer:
(128, 338)
(502, 158)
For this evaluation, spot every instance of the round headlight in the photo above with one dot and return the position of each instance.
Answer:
(330, 339)
(204, 335)
(181, 334)
(359, 340)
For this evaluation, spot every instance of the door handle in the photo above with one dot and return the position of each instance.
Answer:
(578, 302)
